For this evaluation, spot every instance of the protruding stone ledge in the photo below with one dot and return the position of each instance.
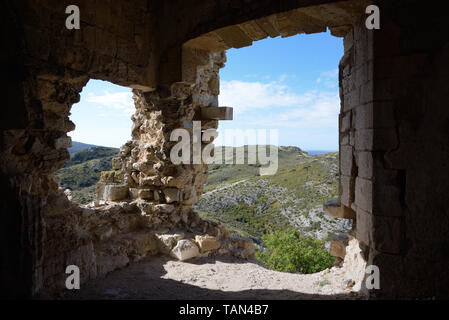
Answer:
(336, 210)
(216, 113)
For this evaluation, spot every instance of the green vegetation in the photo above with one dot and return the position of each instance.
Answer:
(82, 171)
(249, 220)
(301, 184)
(287, 251)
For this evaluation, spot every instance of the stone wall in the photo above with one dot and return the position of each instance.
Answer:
(392, 146)
(393, 132)
(409, 214)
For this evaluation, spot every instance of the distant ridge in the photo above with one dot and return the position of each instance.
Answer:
(79, 146)
(316, 152)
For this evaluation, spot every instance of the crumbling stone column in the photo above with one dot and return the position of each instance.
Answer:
(145, 169)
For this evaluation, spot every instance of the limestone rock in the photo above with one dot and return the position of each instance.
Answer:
(146, 194)
(63, 142)
(207, 243)
(242, 248)
(164, 208)
(69, 194)
(112, 192)
(166, 242)
(184, 250)
(338, 245)
(116, 163)
(172, 195)
(143, 243)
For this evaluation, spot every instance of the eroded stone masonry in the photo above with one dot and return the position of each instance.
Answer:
(394, 134)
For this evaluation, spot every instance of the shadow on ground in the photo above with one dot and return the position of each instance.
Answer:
(144, 280)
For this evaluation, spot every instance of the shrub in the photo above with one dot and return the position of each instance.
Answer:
(287, 251)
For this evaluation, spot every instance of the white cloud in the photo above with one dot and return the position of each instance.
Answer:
(244, 95)
(282, 107)
(329, 78)
(118, 100)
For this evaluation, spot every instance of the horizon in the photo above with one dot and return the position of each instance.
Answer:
(224, 146)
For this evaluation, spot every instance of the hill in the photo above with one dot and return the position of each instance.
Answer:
(237, 196)
(251, 205)
(82, 171)
(79, 146)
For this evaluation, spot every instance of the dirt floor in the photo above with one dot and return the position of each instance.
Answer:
(212, 278)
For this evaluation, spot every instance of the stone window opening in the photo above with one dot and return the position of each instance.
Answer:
(149, 211)
(336, 239)
(103, 121)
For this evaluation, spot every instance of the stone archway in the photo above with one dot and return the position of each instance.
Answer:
(392, 84)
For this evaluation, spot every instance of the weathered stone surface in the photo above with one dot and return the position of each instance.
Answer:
(164, 208)
(242, 248)
(184, 250)
(172, 195)
(116, 163)
(112, 192)
(166, 242)
(216, 113)
(207, 243)
(392, 82)
(338, 246)
(335, 209)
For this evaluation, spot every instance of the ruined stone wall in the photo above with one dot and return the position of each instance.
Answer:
(393, 133)
(144, 205)
(393, 143)
(409, 222)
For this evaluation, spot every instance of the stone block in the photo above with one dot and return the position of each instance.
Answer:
(181, 90)
(116, 163)
(338, 247)
(134, 193)
(346, 187)
(184, 250)
(350, 100)
(364, 162)
(366, 93)
(234, 37)
(172, 195)
(363, 116)
(216, 113)
(364, 140)
(335, 209)
(364, 194)
(112, 192)
(166, 242)
(190, 198)
(146, 194)
(242, 248)
(207, 243)
(63, 142)
(164, 208)
(364, 227)
(107, 176)
(345, 121)
(346, 160)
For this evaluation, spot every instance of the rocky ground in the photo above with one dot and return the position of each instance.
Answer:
(223, 278)
(310, 222)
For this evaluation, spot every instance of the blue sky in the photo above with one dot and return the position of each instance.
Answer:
(289, 84)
